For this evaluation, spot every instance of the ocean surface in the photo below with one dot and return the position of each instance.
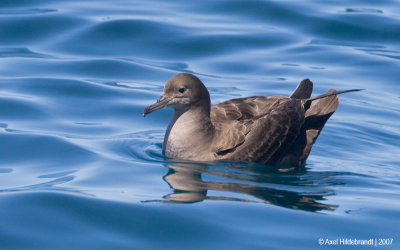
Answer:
(80, 168)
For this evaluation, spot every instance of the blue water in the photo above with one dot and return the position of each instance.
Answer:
(80, 168)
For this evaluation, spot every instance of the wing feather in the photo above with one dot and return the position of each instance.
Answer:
(260, 138)
(244, 108)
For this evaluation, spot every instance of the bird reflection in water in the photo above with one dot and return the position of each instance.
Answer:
(286, 187)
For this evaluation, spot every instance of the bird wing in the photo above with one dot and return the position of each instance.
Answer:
(244, 108)
(250, 107)
(262, 138)
(272, 134)
(232, 120)
(229, 135)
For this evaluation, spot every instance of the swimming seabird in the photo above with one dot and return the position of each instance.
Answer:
(271, 130)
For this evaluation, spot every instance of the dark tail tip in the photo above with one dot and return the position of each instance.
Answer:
(303, 90)
(346, 91)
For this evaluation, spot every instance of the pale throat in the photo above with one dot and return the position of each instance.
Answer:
(189, 134)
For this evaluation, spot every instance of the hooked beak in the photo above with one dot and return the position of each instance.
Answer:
(161, 103)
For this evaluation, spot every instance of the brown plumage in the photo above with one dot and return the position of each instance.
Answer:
(272, 130)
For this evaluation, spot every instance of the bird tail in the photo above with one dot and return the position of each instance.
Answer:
(318, 110)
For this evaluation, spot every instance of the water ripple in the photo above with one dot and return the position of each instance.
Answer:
(21, 52)
(32, 11)
(77, 159)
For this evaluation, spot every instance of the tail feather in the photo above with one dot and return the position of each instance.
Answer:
(316, 116)
(318, 111)
(303, 90)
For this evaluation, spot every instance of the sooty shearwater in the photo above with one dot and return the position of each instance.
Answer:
(271, 130)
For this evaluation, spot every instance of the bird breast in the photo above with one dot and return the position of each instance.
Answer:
(189, 137)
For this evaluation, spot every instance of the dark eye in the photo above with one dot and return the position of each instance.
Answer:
(181, 90)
